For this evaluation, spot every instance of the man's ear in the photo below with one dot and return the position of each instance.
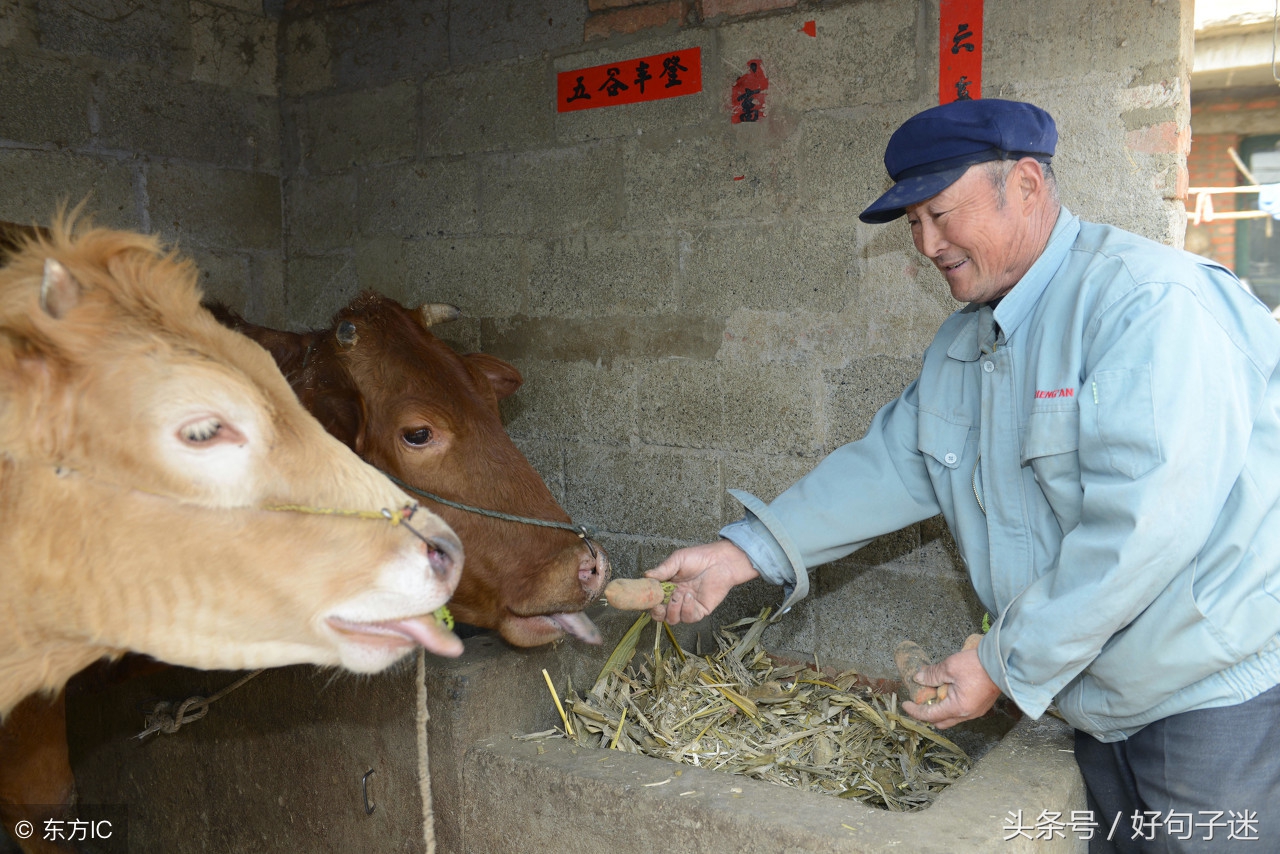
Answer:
(1029, 182)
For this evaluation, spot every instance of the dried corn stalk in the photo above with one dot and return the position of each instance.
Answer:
(740, 711)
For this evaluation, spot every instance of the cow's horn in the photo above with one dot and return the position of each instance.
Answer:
(346, 334)
(438, 312)
(59, 292)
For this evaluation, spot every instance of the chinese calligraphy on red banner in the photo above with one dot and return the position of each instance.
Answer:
(649, 78)
(960, 51)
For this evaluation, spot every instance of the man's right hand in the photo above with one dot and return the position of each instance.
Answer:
(703, 576)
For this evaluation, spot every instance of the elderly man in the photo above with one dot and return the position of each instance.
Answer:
(1100, 427)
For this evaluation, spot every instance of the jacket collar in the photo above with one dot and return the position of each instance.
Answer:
(979, 330)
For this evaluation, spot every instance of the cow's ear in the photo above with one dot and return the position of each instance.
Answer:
(503, 376)
(59, 291)
(342, 414)
(286, 348)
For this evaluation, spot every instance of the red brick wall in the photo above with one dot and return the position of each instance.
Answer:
(1209, 165)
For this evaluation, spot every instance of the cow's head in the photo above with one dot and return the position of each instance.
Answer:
(380, 381)
(164, 491)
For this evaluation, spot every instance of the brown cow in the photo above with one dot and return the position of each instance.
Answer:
(380, 381)
(162, 490)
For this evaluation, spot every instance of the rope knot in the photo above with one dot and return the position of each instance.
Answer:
(164, 718)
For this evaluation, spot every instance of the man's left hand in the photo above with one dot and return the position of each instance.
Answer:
(970, 691)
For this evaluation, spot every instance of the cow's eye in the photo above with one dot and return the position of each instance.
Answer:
(201, 431)
(418, 437)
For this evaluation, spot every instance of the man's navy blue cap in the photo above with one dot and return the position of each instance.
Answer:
(934, 148)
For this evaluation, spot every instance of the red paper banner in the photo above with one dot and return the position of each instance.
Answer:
(649, 78)
(959, 51)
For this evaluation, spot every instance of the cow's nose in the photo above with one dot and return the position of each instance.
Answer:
(445, 557)
(593, 570)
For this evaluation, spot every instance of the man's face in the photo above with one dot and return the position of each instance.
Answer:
(975, 234)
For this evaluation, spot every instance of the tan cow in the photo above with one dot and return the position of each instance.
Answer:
(163, 491)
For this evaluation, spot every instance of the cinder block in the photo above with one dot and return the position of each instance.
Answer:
(552, 192)
(364, 128)
(18, 28)
(154, 34)
(482, 276)
(603, 340)
(45, 101)
(777, 266)
(376, 44)
(224, 276)
(835, 69)
(650, 492)
(597, 274)
(772, 408)
(856, 392)
(572, 402)
(902, 299)
(306, 59)
(36, 182)
(523, 29)
(418, 199)
(1076, 48)
(236, 49)
(267, 297)
(682, 404)
(714, 176)
(494, 107)
(1099, 179)
(223, 208)
(317, 286)
(840, 158)
(148, 113)
(766, 476)
(320, 211)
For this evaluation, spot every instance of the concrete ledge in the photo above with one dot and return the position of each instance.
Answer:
(554, 796)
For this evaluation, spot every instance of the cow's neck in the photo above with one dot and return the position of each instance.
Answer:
(25, 671)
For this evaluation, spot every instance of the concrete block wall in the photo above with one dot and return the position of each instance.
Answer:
(162, 116)
(693, 302)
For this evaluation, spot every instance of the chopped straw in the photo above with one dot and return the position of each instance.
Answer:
(568, 727)
(742, 711)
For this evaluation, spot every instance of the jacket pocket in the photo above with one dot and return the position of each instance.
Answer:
(1051, 432)
(1126, 418)
(942, 440)
(1050, 447)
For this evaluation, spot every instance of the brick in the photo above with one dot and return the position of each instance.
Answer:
(715, 8)
(1161, 138)
(633, 19)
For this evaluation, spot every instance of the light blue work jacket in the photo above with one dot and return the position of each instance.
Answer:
(1105, 447)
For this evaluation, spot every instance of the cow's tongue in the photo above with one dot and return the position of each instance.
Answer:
(426, 631)
(430, 634)
(579, 625)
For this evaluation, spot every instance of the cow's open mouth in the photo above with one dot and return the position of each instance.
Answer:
(425, 631)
